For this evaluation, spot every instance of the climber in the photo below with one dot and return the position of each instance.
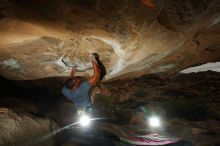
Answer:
(77, 90)
(101, 67)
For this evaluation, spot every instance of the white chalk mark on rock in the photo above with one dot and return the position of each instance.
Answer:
(11, 63)
(120, 65)
(60, 63)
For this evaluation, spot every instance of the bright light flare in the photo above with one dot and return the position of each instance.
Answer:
(84, 121)
(154, 122)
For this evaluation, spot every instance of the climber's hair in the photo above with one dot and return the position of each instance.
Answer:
(69, 82)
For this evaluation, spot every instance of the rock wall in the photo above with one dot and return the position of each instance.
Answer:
(43, 38)
(189, 102)
(22, 129)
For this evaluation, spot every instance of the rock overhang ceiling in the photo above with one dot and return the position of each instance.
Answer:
(43, 38)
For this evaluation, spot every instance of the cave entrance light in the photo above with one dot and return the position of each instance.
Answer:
(215, 66)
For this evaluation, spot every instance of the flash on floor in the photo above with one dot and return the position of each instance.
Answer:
(85, 121)
(154, 122)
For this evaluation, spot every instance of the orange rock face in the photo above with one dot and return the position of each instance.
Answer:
(44, 38)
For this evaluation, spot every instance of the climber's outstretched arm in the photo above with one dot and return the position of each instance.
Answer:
(95, 78)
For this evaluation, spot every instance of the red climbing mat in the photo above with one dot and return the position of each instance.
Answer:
(149, 139)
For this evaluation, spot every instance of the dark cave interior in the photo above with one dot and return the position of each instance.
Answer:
(145, 98)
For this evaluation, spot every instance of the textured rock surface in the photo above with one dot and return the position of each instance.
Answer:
(22, 129)
(188, 105)
(40, 38)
